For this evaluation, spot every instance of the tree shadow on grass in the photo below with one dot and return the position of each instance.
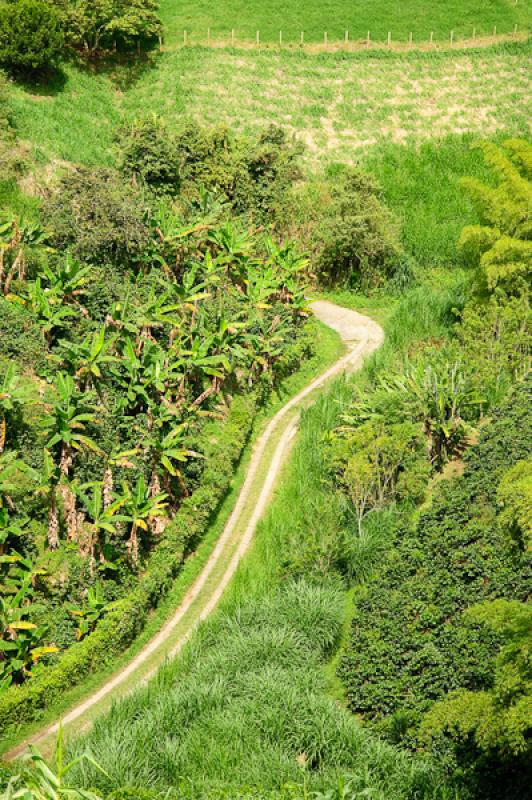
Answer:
(122, 68)
(44, 83)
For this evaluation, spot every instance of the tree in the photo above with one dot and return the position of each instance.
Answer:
(97, 24)
(31, 37)
(141, 506)
(71, 413)
(501, 247)
(498, 718)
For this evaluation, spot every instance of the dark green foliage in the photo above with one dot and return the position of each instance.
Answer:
(96, 25)
(101, 217)
(20, 336)
(356, 241)
(409, 643)
(150, 154)
(253, 174)
(30, 35)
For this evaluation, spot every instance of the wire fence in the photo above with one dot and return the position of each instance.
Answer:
(234, 38)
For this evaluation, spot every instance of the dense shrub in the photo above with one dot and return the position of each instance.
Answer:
(356, 241)
(30, 35)
(20, 336)
(409, 643)
(100, 217)
(149, 153)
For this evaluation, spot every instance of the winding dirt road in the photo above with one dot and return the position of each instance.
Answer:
(361, 336)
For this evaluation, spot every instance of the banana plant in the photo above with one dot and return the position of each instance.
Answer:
(11, 529)
(67, 425)
(68, 280)
(17, 237)
(49, 309)
(13, 393)
(99, 518)
(115, 458)
(20, 639)
(140, 507)
(11, 469)
(86, 359)
(89, 616)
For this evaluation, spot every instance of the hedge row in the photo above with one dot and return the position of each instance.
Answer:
(222, 448)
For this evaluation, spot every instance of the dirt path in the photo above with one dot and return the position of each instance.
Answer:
(361, 336)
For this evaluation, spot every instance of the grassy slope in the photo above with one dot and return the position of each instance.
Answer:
(335, 16)
(341, 107)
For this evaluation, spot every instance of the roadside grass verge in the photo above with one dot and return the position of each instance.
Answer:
(328, 349)
(337, 16)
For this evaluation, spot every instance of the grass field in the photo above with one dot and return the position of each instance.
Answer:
(337, 16)
(339, 106)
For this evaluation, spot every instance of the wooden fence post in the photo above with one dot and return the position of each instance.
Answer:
(184, 37)
(389, 38)
(410, 39)
(495, 30)
(474, 33)
(368, 39)
(232, 37)
(452, 38)
(208, 35)
(258, 37)
(160, 43)
(280, 38)
(325, 38)
(346, 37)
(515, 29)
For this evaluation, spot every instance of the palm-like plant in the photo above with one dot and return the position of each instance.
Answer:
(13, 393)
(67, 424)
(68, 280)
(49, 308)
(140, 507)
(17, 236)
(438, 395)
(87, 358)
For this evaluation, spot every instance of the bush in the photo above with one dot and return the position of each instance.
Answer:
(30, 35)
(20, 336)
(101, 218)
(356, 242)
(410, 642)
(149, 153)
